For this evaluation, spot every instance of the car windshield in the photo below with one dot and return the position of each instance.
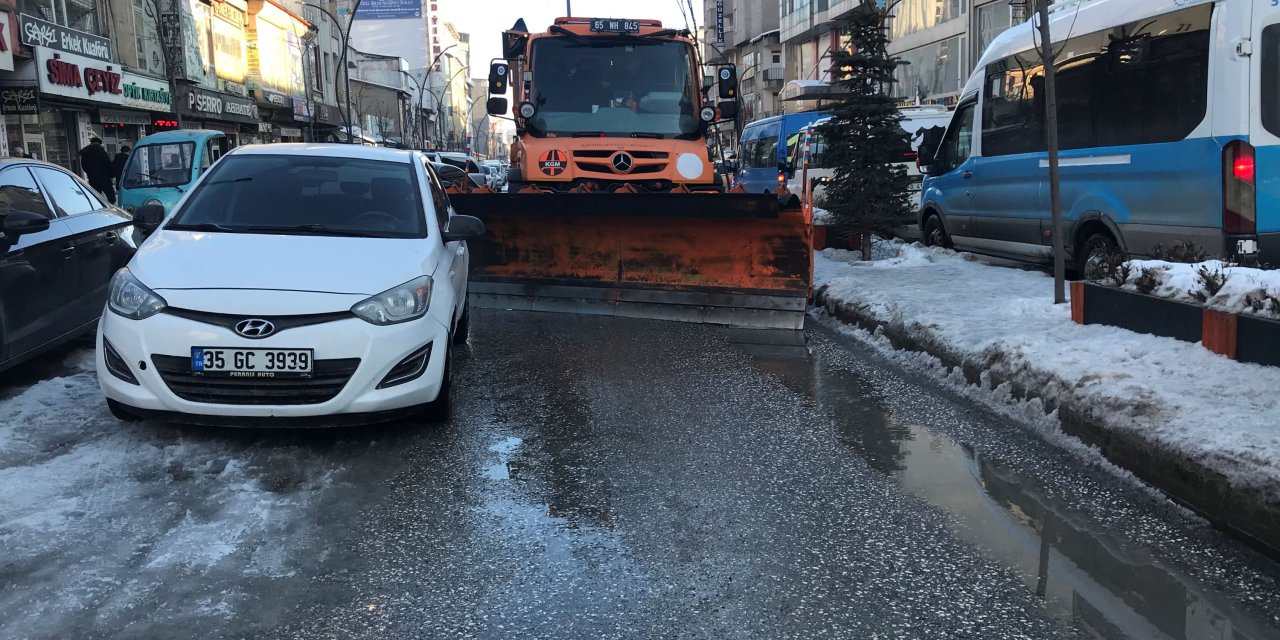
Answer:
(159, 165)
(311, 195)
(612, 86)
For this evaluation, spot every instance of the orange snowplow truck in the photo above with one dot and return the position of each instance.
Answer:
(613, 205)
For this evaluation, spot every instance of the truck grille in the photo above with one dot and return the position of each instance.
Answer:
(328, 379)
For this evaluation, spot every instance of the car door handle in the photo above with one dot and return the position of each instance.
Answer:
(967, 175)
(67, 250)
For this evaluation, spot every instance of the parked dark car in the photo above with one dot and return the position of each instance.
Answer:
(61, 244)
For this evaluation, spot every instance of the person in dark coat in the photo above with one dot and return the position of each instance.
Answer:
(96, 163)
(118, 163)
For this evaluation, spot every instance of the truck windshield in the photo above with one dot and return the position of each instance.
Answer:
(612, 86)
(159, 165)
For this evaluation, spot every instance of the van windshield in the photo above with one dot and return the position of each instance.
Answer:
(613, 86)
(159, 165)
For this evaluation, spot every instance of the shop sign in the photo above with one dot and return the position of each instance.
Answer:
(73, 76)
(291, 132)
(19, 100)
(37, 33)
(6, 50)
(164, 123)
(273, 98)
(123, 117)
(146, 93)
(300, 111)
(219, 105)
(265, 127)
(326, 114)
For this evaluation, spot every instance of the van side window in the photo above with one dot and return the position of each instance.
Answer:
(762, 150)
(1142, 83)
(1270, 91)
(958, 144)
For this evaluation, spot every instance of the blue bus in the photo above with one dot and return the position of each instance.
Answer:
(763, 149)
(1169, 124)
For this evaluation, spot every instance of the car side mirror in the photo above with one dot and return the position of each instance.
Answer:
(497, 106)
(147, 218)
(22, 223)
(462, 227)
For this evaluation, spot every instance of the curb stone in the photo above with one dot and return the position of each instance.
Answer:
(1246, 513)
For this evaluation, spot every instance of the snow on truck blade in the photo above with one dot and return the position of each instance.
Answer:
(1215, 411)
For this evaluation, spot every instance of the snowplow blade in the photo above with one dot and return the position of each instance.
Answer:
(732, 259)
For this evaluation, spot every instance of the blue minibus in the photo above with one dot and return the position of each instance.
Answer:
(763, 148)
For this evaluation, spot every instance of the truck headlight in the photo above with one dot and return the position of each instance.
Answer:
(406, 302)
(132, 299)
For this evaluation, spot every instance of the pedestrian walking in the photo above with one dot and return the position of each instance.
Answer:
(96, 164)
(118, 163)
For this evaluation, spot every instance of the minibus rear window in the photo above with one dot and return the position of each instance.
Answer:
(1270, 90)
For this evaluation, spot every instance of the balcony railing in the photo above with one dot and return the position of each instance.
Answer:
(774, 74)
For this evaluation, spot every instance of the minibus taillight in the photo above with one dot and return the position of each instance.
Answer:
(1239, 201)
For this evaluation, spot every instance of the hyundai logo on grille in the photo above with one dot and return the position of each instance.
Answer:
(255, 328)
(622, 162)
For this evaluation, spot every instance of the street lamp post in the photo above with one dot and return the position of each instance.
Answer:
(440, 99)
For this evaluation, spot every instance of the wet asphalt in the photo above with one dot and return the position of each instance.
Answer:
(610, 478)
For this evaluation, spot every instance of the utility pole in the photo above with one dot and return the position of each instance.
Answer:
(1051, 135)
(568, 9)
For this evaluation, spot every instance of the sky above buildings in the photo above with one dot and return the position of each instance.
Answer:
(485, 20)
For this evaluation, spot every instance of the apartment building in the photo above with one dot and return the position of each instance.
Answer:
(745, 32)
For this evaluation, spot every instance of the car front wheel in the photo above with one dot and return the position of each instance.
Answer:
(935, 235)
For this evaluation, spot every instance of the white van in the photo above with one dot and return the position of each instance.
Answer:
(1169, 124)
(915, 120)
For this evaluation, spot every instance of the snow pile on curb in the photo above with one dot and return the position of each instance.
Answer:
(1244, 289)
(1216, 412)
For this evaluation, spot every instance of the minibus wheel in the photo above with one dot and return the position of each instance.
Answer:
(1092, 258)
(935, 234)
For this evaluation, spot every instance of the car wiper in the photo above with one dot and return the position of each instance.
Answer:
(588, 134)
(153, 183)
(646, 134)
(202, 226)
(317, 229)
(244, 179)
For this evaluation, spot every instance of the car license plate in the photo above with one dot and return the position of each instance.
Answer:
(252, 363)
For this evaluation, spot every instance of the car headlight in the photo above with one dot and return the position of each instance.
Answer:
(406, 302)
(132, 299)
(152, 201)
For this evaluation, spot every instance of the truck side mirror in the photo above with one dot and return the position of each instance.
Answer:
(497, 106)
(498, 78)
(728, 109)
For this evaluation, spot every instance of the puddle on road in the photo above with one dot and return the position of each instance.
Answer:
(1086, 574)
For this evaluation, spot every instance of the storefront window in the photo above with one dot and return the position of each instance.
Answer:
(990, 20)
(76, 14)
(912, 16)
(933, 70)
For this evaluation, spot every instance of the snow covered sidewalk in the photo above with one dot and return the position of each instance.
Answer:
(1200, 427)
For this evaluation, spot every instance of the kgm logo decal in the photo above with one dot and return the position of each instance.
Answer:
(553, 162)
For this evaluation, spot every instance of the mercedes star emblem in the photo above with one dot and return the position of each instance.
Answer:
(622, 162)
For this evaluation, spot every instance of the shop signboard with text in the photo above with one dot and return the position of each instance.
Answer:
(140, 92)
(218, 106)
(73, 76)
(228, 41)
(40, 34)
(19, 100)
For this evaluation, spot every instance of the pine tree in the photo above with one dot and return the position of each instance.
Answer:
(868, 193)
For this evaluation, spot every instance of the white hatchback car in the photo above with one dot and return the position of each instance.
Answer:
(299, 285)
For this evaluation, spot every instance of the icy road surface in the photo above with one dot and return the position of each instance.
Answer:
(603, 478)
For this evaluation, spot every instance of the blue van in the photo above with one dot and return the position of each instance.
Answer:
(163, 164)
(764, 147)
(1169, 134)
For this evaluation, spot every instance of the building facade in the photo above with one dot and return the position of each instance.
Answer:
(745, 33)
